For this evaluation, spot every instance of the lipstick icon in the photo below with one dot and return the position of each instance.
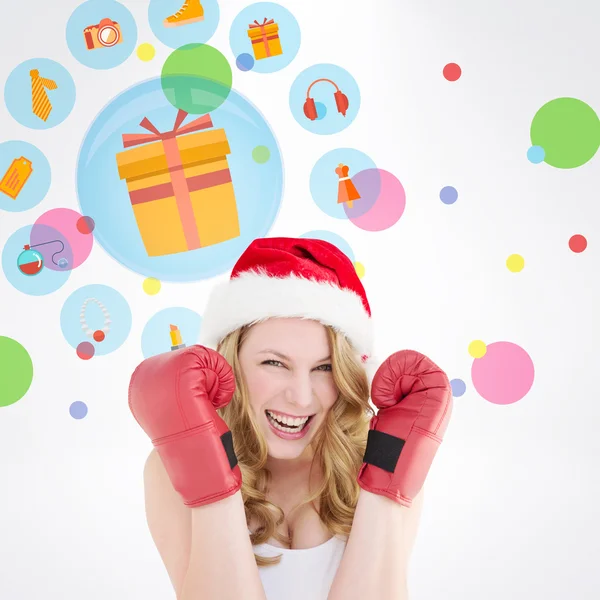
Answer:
(176, 341)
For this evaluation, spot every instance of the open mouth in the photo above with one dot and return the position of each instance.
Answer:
(287, 427)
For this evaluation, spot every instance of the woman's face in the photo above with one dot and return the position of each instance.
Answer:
(286, 366)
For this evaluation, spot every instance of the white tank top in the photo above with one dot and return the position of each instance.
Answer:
(301, 574)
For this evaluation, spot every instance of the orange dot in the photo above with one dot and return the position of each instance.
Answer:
(577, 243)
(99, 335)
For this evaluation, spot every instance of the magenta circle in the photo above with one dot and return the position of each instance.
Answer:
(64, 221)
(384, 196)
(504, 374)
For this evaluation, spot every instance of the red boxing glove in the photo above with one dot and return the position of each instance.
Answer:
(414, 398)
(174, 397)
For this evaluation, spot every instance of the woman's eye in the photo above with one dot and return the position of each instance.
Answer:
(327, 367)
(271, 361)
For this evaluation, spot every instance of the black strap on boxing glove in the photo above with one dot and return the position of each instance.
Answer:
(227, 441)
(383, 450)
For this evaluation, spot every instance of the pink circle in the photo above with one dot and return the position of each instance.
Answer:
(504, 375)
(387, 207)
(64, 220)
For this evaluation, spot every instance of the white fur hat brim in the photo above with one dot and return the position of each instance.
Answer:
(255, 296)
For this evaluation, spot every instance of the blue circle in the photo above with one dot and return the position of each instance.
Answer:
(323, 92)
(78, 410)
(536, 154)
(324, 181)
(244, 62)
(87, 26)
(156, 338)
(448, 195)
(321, 110)
(198, 32)
(288, 32)
(18, 93)
(46, 280)
(332, 238)
(458, 387)
(118, 311)
(34, 169)
(104, 196)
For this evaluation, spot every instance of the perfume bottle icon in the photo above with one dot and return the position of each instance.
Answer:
(31, 262)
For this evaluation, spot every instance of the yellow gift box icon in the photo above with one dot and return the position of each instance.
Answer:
(180, 185)
(265, 39)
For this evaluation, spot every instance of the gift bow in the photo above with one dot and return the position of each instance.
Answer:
(135, 139)
(263, 24)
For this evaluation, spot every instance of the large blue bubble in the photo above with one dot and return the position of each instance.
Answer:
(104, 197)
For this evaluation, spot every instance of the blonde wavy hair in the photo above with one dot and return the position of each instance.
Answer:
(338, 447)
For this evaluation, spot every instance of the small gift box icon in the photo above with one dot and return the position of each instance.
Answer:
(265, 39)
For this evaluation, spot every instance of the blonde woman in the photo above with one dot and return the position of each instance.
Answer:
(271, 476)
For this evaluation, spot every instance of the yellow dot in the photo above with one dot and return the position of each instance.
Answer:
(515, 263)
(477, 349)
(146, 52)
(360, 269)
(151, 286)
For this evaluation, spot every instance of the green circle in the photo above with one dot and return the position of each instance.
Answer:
(16, 371)
(196, 78)
(568, 130)
(261, 154)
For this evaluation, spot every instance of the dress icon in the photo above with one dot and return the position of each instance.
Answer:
(347, 191)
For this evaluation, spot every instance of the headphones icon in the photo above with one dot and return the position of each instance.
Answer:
(341, 101)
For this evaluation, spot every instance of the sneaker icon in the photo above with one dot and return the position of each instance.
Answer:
(191, 11)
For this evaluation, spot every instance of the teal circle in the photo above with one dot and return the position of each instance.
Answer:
(118, 311)
(196, 78)
(536, 154)
(36, 185)
(188, 33)
(16, 371)
(289, 36)
(18, 93)
(90, 14)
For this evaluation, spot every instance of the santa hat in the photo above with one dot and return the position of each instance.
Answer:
(291, 277)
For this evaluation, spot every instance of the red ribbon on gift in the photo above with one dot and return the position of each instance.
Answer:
(180, 185)
(265, 39)
(261, 25)
(135, 139)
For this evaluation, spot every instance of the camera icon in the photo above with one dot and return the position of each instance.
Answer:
(105, 34)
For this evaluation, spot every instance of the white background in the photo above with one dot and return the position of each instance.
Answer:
(512, 499)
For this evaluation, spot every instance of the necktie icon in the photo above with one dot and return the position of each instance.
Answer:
(40, 104)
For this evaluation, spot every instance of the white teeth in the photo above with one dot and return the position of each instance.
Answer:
(288, 420)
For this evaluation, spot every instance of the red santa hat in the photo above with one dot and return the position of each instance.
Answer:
(291, 277)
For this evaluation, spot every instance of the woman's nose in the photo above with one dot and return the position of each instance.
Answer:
(300, 391)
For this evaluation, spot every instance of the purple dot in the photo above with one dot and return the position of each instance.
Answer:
(245, 62)
(78, 410)
(458, 387)
(448, 195)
